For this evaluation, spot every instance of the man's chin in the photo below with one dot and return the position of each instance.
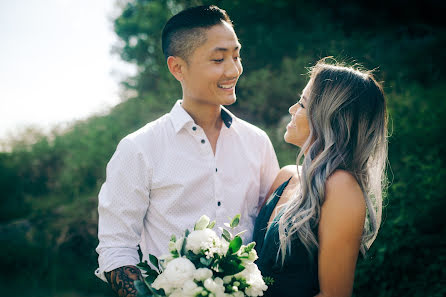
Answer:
(229, 100)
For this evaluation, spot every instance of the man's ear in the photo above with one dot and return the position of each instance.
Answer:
(176, 66)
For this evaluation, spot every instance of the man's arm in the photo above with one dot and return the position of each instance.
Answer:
(122, 280)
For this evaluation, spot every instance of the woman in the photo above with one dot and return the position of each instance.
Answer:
(312, 227)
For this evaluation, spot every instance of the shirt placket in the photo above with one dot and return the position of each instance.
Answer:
(209, 158)
(220, 199)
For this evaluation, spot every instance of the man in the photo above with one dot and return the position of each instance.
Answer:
(198, 159)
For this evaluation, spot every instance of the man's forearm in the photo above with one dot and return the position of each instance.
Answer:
(121, 280)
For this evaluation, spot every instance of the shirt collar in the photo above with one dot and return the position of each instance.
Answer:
(180, 117)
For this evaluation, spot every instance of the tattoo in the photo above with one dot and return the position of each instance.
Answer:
(121, 280)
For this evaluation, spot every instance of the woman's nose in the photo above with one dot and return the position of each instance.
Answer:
(292, 109)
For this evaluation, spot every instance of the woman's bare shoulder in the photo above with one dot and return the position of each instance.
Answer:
(284, 174)
(343, 188)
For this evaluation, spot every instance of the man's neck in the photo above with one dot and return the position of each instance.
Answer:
(207, 116)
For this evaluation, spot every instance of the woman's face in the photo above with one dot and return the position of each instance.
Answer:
(298, 130)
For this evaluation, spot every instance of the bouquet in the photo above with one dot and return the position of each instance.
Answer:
(202, 264)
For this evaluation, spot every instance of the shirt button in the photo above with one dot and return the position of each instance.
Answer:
(216, 169)
(203, 141)
(194, 128)
(218, 203)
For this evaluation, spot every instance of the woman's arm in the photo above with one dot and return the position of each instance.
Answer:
(340, 229)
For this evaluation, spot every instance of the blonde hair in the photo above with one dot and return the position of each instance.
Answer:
(348, 130)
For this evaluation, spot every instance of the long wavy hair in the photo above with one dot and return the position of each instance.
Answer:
(348, 130)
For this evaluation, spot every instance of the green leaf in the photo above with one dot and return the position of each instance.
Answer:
(154, 261)
(206, 262)
(268, 280)
(235, 245)
(141, 289)
(173, 238)
(151, 276)
(211, 225)
(226, 235)
(240, 233)
(235, 221)
(183, 247)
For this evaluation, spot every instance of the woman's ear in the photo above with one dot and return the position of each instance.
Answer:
(176, 66)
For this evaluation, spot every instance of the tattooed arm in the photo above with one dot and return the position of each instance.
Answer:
(121, 280)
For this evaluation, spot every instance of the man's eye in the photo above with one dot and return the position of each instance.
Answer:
(218, 60)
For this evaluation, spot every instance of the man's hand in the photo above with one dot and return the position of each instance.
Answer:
(121, 280)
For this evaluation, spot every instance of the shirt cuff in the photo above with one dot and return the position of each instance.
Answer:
(112, 258)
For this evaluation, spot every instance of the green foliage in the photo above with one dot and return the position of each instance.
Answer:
(49, 183)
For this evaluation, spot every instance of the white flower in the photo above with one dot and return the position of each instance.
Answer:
(238, 294)
(161, 283)
(254, 279)
(172, 246)
(190, 289)
(177, 272)
(177, 293)
(202, 223)
(202, 273)
(215, 285)
(199, 240)
(227, 279)
(179, 244)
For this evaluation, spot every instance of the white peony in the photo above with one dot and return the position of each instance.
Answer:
(199, 240)
(177, 272)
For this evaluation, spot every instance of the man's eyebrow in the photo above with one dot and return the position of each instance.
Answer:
(223, 49)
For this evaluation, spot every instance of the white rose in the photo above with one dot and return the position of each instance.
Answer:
(202, 240)
(202, 273)
(202, 223)
(178, 271)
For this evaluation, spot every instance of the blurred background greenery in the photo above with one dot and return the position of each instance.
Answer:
(49, 182)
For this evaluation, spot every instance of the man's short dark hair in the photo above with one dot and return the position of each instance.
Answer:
(185, 31)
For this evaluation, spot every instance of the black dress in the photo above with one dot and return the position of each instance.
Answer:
(298, 277)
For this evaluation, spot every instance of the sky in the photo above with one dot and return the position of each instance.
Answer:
(56, 64)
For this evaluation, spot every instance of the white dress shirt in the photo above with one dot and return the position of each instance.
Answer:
(165, 176)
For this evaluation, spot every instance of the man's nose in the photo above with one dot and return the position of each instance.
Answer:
(234, 69)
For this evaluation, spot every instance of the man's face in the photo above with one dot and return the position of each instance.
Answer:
(213, 68)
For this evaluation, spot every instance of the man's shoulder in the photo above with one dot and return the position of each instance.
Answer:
(151, 129)
(248, 129)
